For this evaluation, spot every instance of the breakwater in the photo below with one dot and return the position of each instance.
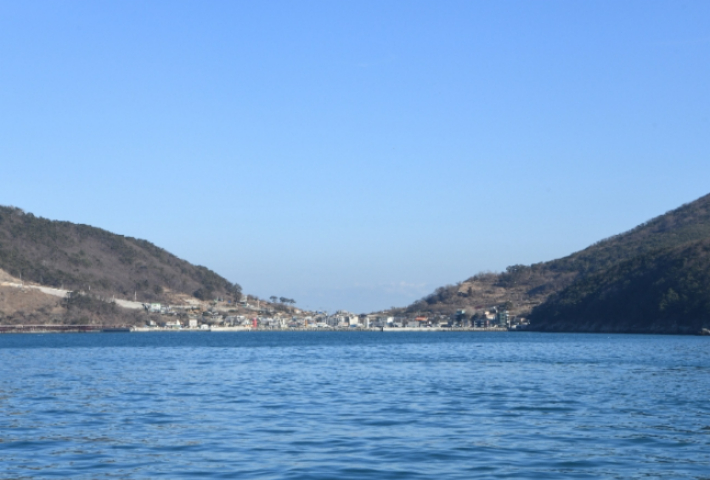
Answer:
(62, 329)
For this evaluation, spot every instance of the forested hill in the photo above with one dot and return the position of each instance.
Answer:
(663, 291)
(687, 223)
(81, 257)
(522, 287)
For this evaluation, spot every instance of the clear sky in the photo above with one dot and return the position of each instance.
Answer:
(355, 154)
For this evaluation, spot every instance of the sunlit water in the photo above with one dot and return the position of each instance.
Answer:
(344, 405)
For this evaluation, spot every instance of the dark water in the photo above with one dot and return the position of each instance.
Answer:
(354, 405)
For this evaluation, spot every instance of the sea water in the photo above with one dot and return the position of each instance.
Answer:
(354, 405)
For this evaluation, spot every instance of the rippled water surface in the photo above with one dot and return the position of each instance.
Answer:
(346, 405)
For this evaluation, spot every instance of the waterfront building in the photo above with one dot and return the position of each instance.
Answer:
(502, 318)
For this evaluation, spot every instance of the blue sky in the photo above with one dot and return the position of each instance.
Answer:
(355, 154)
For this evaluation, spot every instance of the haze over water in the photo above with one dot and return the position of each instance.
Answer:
(303, 405)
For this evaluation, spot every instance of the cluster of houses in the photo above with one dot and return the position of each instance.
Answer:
(192, 317)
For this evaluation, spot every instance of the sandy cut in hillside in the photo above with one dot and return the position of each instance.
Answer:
(6, 277)
(13, 300)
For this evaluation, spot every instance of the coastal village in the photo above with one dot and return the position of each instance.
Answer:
(253, 314)
(226, 316)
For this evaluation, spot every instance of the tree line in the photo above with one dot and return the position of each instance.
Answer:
(284, 300)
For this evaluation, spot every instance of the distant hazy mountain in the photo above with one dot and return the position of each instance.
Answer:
(522, 287)
(81, 257)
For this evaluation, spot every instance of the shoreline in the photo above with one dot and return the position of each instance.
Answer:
(45, 329)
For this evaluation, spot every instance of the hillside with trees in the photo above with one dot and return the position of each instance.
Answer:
(84, 258)
(663, 291)
(522, 287)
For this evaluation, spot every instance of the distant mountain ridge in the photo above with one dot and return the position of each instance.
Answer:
(81, 257)
(522, 287)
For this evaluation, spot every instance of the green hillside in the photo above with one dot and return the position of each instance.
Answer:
(81, 257)
(521, 287)
(687, 223)
(664, 291)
